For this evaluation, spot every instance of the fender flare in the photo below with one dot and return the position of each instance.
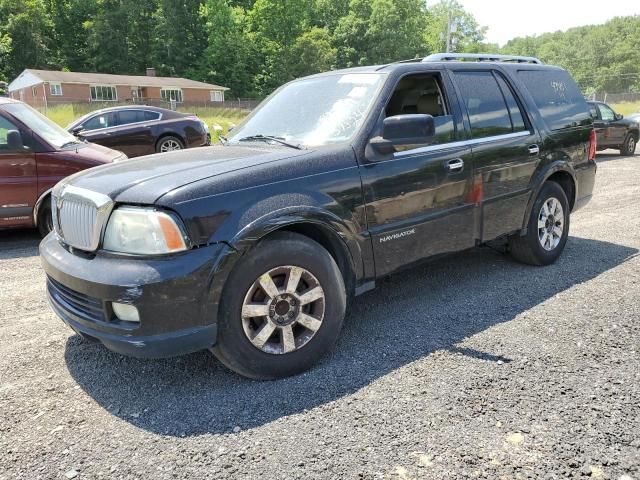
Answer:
(538, 182)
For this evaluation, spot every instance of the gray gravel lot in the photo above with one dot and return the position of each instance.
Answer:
(470, 366)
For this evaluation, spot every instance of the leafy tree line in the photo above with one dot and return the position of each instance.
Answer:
(602, 58)
(251, 46)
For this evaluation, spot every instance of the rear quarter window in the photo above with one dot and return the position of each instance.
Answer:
(557, 97)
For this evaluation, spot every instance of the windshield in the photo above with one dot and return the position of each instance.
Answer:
(41, 125)
(314, 111)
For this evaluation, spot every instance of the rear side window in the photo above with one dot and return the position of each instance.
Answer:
(150, 115)
(486, 105)
(557, 97)
(126, 117)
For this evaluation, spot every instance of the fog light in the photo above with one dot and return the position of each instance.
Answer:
(126, 312)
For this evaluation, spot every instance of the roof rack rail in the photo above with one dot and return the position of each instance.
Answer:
(479, 57)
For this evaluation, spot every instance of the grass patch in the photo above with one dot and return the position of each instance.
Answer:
(64, 114)
(626, 108)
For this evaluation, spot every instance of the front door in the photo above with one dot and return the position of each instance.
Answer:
(506, 149)
(418, 200)
(18, 178)
(609, 132)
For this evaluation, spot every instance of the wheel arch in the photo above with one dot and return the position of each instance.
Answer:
(41, 199)
(316, 224)
(170, 133)
(561, 173)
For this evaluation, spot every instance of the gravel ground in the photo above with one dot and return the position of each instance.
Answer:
(471, 366)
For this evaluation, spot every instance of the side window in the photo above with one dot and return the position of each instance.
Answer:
(150, 115)
(594, 111)
(517, 118)
(557, 97)
(423, 94)
(5, 127)
(104, 120)
(488, 113)
(606, 113)
(126, 117)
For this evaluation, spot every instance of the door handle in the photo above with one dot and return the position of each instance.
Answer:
(534, 150)
(455, 165)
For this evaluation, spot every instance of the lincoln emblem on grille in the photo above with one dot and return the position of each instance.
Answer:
(80, 215)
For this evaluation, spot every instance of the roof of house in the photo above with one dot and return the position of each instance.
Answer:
(31, 77)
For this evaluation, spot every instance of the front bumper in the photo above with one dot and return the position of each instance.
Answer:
(172, 295)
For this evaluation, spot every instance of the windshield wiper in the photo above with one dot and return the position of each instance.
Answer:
(279, 140)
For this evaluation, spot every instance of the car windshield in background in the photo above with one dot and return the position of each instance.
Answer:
(40, 124)
(315, 111)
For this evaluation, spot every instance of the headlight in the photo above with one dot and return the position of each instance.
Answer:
(143, 231)
(120, 158)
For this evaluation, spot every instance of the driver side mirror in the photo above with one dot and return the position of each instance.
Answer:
(404, 130)
(619, 116)
(14, 141)
(76, 130)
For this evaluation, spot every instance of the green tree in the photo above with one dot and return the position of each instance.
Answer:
(27, 25)
(228, 59)
(466, 35)
(312, 53)
(69, 34)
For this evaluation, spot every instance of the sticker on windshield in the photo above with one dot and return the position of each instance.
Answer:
(360, 78)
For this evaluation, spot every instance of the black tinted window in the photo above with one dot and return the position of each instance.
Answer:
(517, 120)
(606, 113)
(557, 97)
(150, 115)
(485, 104)
(130, 116)
(104, 120)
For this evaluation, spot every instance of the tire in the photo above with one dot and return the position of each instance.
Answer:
(529, 248)
(169, 144)
(629, 146)
(45, 222)
(276, 257)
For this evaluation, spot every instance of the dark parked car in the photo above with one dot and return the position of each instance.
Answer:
(614, 130)
(35, 154)
(142, 130)
(253, 248)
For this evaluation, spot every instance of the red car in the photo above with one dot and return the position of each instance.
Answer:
(35, 154)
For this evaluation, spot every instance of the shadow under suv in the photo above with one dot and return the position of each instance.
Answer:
(253, 248)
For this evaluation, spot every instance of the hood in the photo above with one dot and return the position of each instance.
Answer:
(95, 154)
(145, 179)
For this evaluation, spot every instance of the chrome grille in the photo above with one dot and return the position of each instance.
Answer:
(79, 216)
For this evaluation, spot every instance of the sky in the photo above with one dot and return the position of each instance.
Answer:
(507, 19)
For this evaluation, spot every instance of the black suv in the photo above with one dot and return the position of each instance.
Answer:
(613, 130)
(252, 248)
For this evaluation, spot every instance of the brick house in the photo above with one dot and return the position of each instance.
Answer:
(46, 87)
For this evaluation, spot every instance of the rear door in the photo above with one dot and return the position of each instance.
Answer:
(505, 149)
(18, 177)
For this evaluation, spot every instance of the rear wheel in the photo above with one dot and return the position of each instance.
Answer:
(282, 308)
(629, 145)
(547, 229)
(45, 221)
(169, 144)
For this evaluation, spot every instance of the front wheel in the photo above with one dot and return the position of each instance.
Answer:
(547, 229)
(282, 308)
(629, 146)
(45, 221)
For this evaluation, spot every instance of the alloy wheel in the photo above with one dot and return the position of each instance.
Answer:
(283, 309)
(170, 146)
(550, 224)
